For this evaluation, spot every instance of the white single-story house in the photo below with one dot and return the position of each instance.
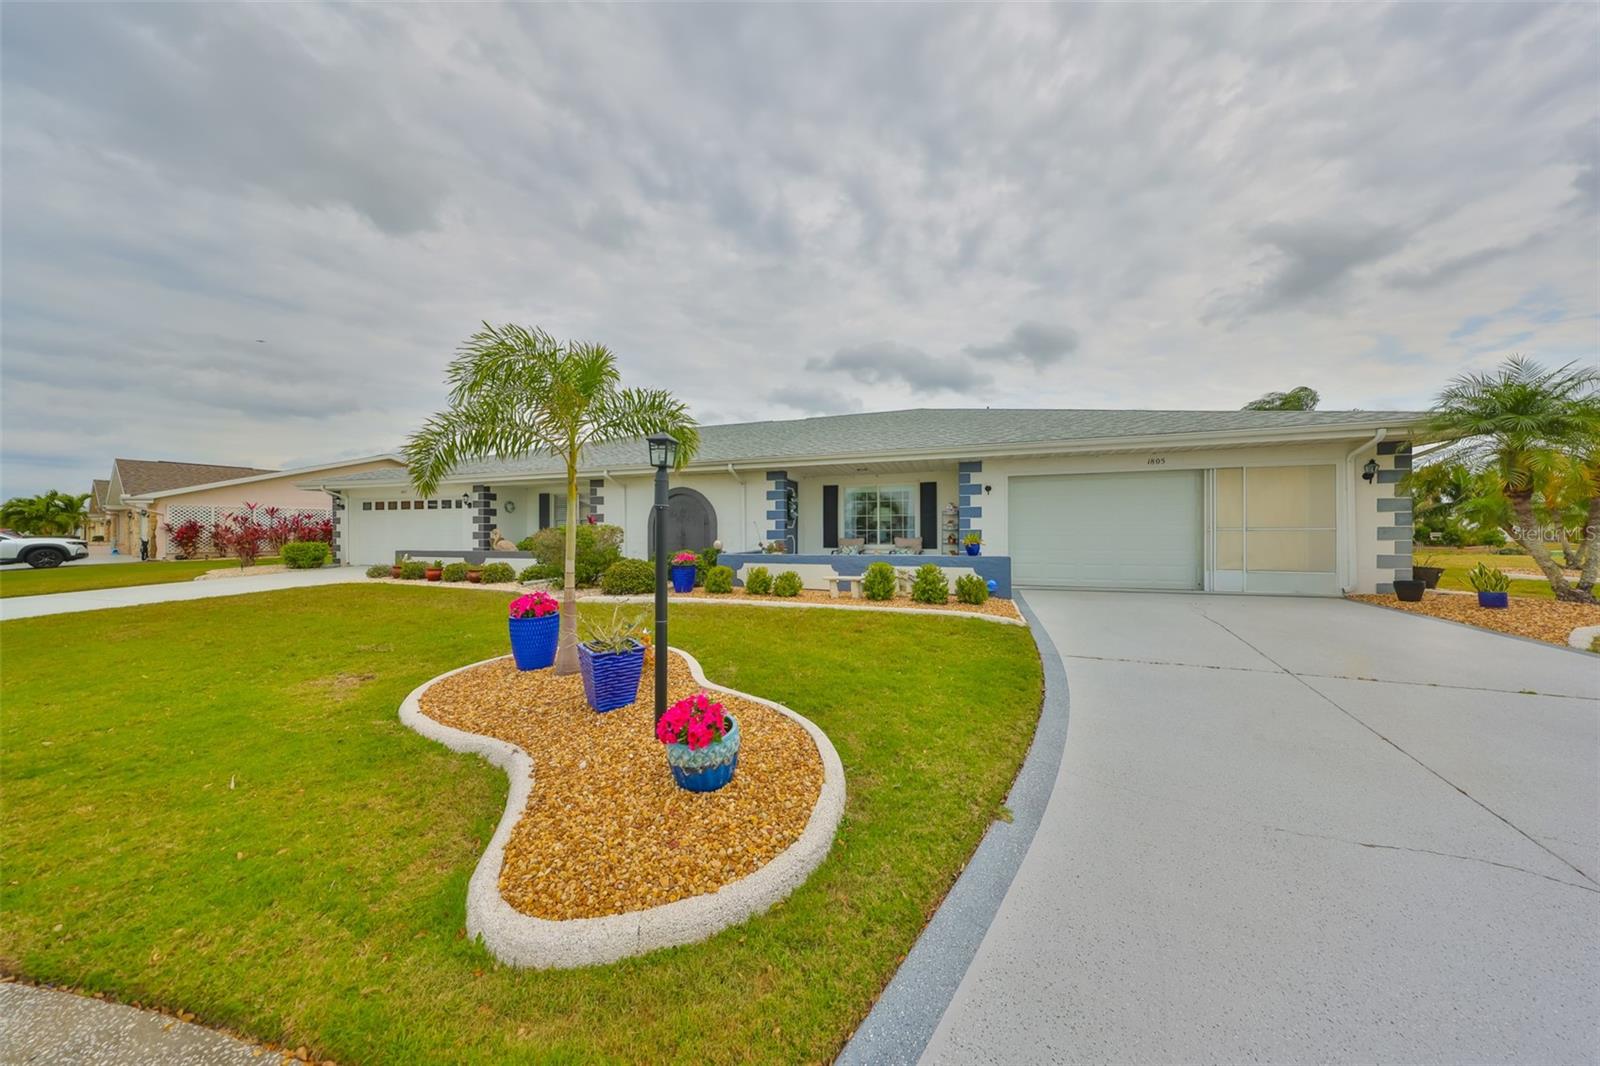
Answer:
(1227, 501)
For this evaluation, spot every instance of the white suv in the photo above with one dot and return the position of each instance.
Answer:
(40, 552)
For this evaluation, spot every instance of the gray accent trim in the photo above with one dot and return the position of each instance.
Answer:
(1395, 562)
(1390, 477)
(903, 1020)
(1396, 532)
(1385, 588)
(1394, 503)
(1402, 461)
(1390, 447)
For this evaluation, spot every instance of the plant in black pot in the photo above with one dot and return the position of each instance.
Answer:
(1427, 573)
(611, 659)
(1409, 590)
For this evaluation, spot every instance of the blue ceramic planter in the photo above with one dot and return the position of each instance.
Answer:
(974, 549)
(683, 579)
(533, 641)
(611, 678)
(709, 768)
(1494, 599)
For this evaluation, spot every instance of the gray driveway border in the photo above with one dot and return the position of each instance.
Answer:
(905, 1016)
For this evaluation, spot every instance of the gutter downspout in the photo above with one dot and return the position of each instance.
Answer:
(1351, 562)
(744, 495)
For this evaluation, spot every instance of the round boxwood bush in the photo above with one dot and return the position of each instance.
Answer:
(970, 588)
(413, 570)
(543, 572)
(304, 554)
(929, 585)
(455, 572)
(378, 571)
(497, 574)
(878, 583)
(758, 581)
(628, 577)
(719, 579)
(787, 584)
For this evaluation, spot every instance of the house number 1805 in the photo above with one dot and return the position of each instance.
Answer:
(1155, 462)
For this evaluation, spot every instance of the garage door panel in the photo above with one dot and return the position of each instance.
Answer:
(376, 535)
(1139, 530)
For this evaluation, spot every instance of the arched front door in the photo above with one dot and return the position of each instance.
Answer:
(691, 522)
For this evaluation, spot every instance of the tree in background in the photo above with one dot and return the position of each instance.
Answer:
(1527, 429)
(1299, 398)
(515, 391)
(48, 514)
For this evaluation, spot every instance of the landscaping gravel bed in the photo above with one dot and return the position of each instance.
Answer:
(606, 830)
(994, 605)
(1546, 620)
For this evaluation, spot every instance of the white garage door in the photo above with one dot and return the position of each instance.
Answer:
(376, 529)
(1126, 531)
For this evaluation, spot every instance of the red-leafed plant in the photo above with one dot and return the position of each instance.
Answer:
(242, 533)
(186, 536)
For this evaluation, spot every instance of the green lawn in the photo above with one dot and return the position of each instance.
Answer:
(1457, 561)
(212, 806)
(76, 577)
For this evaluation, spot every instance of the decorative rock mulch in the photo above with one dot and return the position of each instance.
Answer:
(606, 830)
(993, 606)
(1527, 616)
(241, 571)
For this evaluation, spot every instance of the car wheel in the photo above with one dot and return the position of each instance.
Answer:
(44, 558)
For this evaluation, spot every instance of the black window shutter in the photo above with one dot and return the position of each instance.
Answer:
(928, 528)
(830, 516)
(544, 510)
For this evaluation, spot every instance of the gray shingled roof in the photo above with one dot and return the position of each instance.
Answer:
(882, 433)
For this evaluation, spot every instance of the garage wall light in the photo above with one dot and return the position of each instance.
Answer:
(1370, 471)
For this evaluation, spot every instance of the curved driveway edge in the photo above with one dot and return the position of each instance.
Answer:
(904, 1018)
(522, 940)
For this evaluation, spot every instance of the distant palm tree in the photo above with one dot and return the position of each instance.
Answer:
(1521, 424)
(515, 391)
(48, 514)
(1300, 398)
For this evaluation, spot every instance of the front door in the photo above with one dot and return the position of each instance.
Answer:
(691, 522)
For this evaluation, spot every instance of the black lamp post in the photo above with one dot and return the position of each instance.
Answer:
(663, 455)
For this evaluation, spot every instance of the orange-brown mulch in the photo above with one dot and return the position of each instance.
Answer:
(1527, 616)
(606, 829)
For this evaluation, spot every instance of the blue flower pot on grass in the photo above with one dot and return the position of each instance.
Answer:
(1494, 599)
(611, 678)
(683, 579)
(533, 641)
(709, 768)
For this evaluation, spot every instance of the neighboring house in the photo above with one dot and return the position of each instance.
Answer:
(1228, 501)
(150, 495)
(97, 527)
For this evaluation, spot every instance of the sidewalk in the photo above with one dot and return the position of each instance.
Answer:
(14, 607)
(43, 1025)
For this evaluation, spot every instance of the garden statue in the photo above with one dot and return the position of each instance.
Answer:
(498, 541)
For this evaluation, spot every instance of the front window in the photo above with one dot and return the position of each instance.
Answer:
(878, 515)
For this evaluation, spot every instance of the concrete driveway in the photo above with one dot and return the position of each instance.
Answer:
(1290, 830)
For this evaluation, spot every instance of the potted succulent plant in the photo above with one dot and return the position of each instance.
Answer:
(683, 570)
(475, 574)
(702, 743)
(436, 570)
(535, 630)
(1494, 588)
(1427, 573)
(611, 659)
(973, 543)
(1409, 590)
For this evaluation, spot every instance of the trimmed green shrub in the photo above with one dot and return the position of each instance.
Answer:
(758, 581)
(787, 584)
(497, 574)
(929, 585)
(455, 572)
(304, 554)
(378, 571)
(719, 580)
(413, 570)
(598, 547)
(535, 572)
(629, 577)
(878, 583)
(705, 560)
(970, 588)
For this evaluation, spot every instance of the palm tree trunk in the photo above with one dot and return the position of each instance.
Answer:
(567, 649)
(1526, 533)
(1587, 549)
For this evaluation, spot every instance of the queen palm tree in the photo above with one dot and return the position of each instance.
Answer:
(1519, 424)
(1299, 398)
(515, 391)
(50, 514)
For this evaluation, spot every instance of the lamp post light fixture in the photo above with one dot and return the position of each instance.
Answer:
(1370, 471)
(663, 455)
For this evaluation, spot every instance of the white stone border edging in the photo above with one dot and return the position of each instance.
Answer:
(522, 940)
(1582, 637)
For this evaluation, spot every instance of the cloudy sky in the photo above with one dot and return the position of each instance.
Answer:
(255, 234)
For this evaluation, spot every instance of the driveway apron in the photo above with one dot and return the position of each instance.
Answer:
(1293, 829)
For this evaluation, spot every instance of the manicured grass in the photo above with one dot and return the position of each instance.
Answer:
(1457, 561)
(214, 808)
(18, 580)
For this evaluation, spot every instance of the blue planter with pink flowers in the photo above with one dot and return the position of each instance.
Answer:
(533, 641)
(683, 578)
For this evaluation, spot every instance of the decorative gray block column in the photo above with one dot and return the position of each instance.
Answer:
(338, 527)
(1396, 530)
(778, 489)
(969, 486)
(482, 516)
(596, 500)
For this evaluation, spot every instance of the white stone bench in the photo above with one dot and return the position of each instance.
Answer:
(851, 580)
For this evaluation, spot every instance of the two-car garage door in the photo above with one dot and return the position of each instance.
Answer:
(1125, 531)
